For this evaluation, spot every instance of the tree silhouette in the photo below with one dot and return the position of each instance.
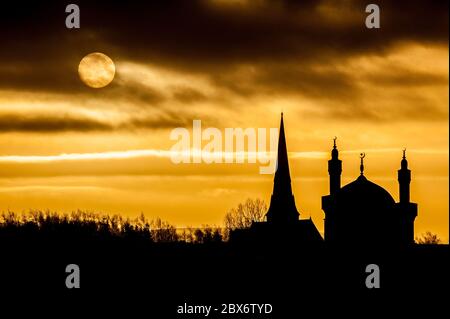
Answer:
(428, 239)
(187, 235)
(162, 231)
(76, 225)
(242, 216)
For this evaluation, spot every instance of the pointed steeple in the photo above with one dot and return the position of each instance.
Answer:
(282, 182)
(282, 204)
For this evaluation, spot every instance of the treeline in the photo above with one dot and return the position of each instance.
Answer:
(89, 225)
(76, 225)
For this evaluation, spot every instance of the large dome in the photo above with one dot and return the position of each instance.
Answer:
(362, 195)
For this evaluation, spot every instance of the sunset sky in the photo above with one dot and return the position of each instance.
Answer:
(229, 63)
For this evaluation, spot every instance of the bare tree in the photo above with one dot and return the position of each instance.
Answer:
(162, 231)
(187, 235)
(242, 216)
(204, 234)
(428, 239)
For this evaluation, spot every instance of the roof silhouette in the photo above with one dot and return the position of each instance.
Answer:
(282, 204)
(364, 195)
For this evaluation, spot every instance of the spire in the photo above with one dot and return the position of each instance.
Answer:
(404, 162)
(334, 152)
(335, 169)
(404, 179)
(282, 157)
(361, 166)
(282, 204)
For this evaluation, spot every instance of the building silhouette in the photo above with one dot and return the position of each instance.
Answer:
(283, 223)
(360, 213)
(363, 212)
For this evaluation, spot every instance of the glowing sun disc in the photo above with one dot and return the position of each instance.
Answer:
(96, 70)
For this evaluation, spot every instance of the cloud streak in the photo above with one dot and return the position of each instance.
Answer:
(160, 153)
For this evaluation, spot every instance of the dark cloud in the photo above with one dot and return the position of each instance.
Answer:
(188, 95)
(284, 41)
(45, 124)
(203, 36)
(135, 92)
(404, 107)
(396, 76)
(199, 34)
(293, 79)
(55, 124)
(167, 119)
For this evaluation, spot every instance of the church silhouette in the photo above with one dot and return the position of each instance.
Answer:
(359, 213)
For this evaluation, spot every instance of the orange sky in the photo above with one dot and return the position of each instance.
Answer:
(377, 97)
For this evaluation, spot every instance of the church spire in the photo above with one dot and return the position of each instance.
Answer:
(282, 171)
(282, 204)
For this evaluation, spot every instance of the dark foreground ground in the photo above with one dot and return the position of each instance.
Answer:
(136, 279)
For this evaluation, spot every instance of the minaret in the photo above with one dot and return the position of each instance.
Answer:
(282, 207)
(334, 169)
(404, 179)
(407, 211)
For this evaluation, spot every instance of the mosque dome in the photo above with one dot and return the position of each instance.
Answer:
(364, 195)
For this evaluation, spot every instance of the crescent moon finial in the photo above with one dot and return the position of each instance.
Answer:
(361, 167)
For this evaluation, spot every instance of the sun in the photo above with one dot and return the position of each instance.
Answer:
(96, 70)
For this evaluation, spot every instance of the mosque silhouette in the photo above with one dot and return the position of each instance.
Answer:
(361, 212)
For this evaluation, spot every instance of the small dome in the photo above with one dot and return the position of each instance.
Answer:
(362, 195)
